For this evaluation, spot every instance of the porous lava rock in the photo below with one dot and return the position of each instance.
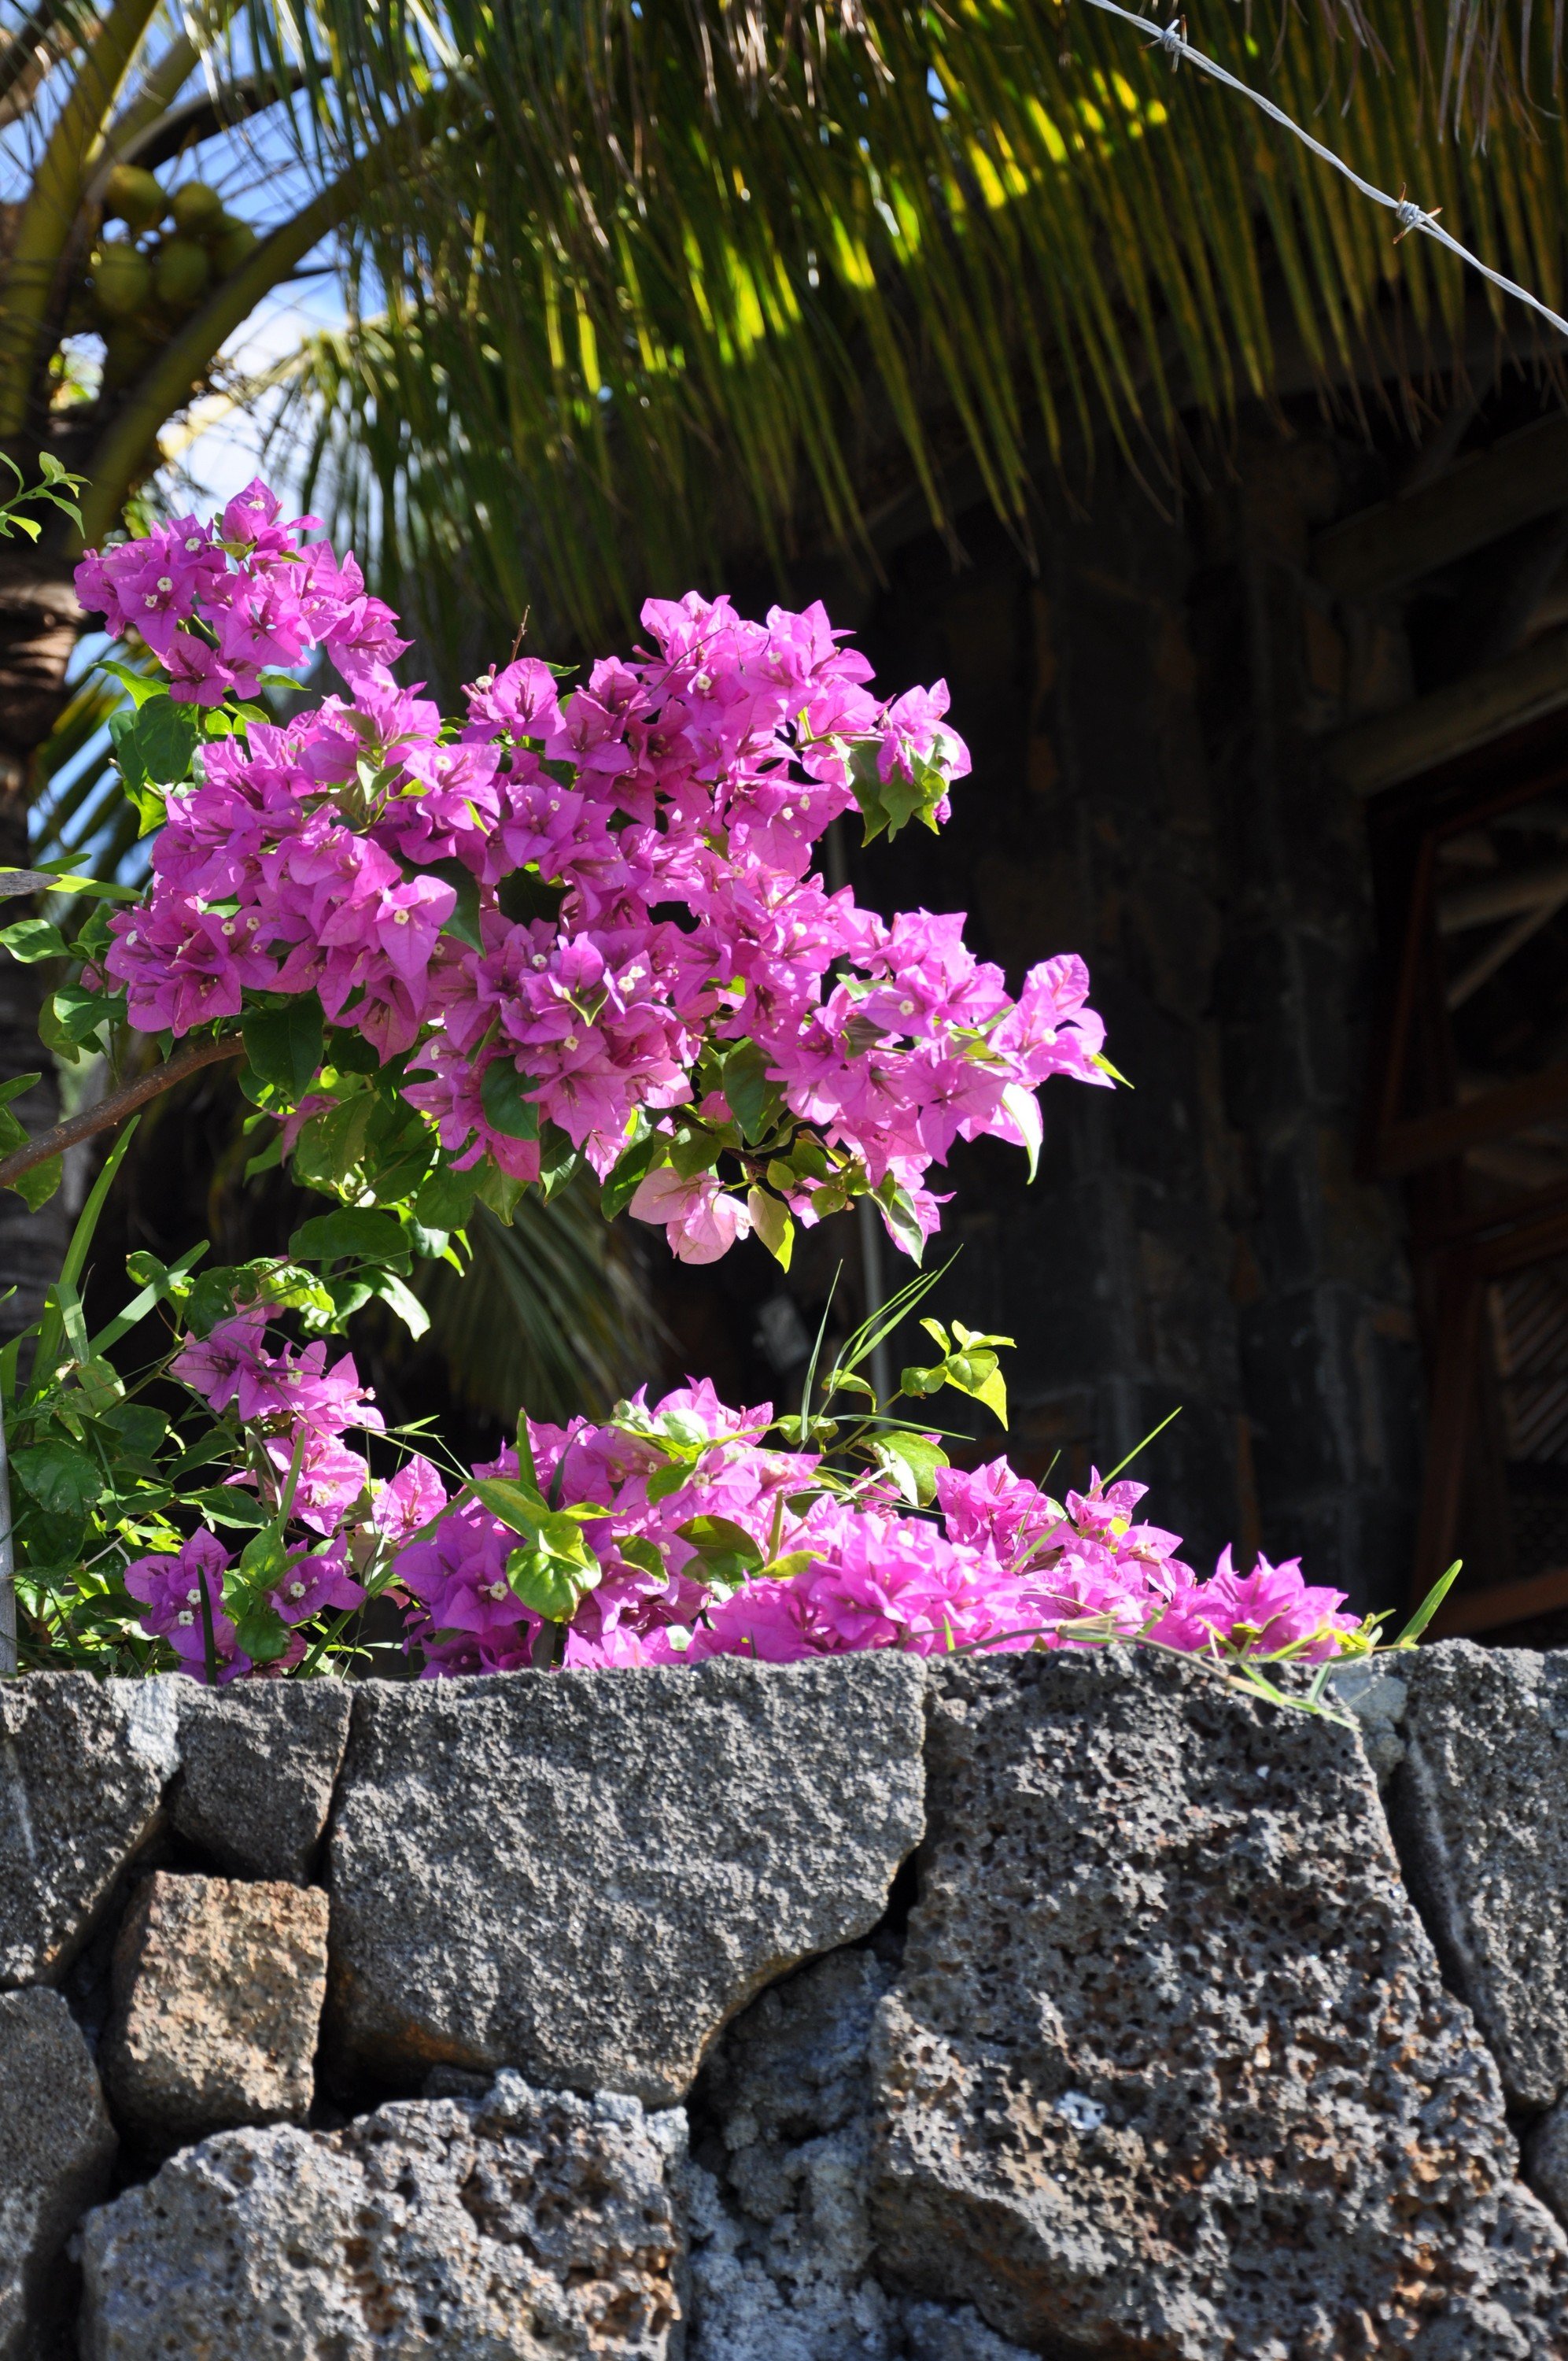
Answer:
(1477, 1811)
(80, 1794)
(524, 2226)
(1168, 2070)
(57, 2150)
(781, 2262)
(257, 1767)
(586, 1874)
(218, 1988)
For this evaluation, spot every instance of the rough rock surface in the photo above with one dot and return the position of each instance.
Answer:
(933, 2331)
(1377, 1699)
(256, 1773)
(1477, 1812)
(586, 1875)
(57, 2148)
(525, 2226)
(1169, 2068)
(780, 2264)
(79, 1793)
(217, 2000)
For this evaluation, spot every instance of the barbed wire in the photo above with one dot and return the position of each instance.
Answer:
(1172, 39)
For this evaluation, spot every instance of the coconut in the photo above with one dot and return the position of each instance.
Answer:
(197, 208)
(180, 273)
(122, 281)
(133, 196)
(234, 244)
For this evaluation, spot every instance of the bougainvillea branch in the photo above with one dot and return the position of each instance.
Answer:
(106, 1113)
(575, 928)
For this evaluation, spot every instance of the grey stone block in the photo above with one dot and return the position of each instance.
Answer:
(218, 1992)
(257, 1767)
(586, 1874)
(81, 1783)
(57, 2150)
(1479, 1809)
(527, 2226)
(1170, 2068)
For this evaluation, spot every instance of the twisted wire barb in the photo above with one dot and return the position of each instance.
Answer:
(1172, 40)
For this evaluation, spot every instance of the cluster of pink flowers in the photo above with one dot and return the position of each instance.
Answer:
(1005, 1566)
(825, 1571)
(672, 800)
(293, 1413)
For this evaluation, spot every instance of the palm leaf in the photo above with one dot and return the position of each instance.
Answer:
(551, 1313)
(693, 288)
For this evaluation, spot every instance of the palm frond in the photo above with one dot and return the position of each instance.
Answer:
(549, 1313)
(687, 288)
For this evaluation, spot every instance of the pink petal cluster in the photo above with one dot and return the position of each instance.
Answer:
(291, 1412)
(670, 802)
(1002, 1564)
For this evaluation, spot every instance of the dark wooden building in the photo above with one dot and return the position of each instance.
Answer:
(1287, 760)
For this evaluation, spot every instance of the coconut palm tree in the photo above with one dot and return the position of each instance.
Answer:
(122, 274)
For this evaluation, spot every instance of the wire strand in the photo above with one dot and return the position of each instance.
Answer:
(1173, 41)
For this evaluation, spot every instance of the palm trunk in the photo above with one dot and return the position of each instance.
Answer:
(40, 619)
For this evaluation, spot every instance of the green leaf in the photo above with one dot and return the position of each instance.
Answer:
(548, 1584)
(464, 923)
(262, 1633)
(721, 1535)
(695, 1149)
(637, 1549)
(912, 1461)
(744, 1081)
(357, 1231)
(518, 1506)
(629, 1171)
(226, 1504)
(140, 1429)
(445, 1200)
(402, 1299)
(898, 1212)
(666, 1480)
(558, 1159)
(37, 1186)
(332, 1143)
(71, 1017)
(34, 939)
(503, 1096)
(64, 1482)
(773, 1224)
(14, 1088)
(154, 744)
(1430, 1605)
(140, 686)
(284, 1045)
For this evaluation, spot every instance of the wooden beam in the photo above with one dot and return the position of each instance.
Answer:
(1372, 755)
(1424, 1139)
(1386, 548)
(1508, 1602)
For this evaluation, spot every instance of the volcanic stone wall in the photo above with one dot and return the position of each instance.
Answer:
(1072, 2005)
